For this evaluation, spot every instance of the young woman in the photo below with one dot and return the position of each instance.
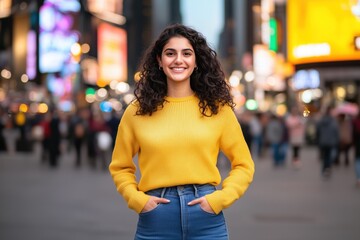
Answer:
(181, 118)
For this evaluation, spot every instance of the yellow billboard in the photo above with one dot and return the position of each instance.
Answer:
(323, 30)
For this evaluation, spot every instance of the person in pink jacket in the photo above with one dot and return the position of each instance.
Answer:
(296, 127)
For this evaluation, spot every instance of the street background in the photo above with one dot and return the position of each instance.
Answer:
(68, 69)
(42, 203)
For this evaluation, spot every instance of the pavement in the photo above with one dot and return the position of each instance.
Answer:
(40, 203)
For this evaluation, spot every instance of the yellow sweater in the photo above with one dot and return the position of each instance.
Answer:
(176, 146)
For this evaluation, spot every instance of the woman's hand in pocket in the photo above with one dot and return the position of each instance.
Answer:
(153, 202)
(204, 204)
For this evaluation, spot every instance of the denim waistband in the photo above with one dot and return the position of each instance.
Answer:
(181, 190)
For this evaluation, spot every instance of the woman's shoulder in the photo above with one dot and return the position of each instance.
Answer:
(226, 108)
(226, 112)
(132, 108)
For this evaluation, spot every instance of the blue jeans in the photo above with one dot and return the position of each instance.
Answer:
(178, 221)
(328, 155)
(258, 143)
(279, 153)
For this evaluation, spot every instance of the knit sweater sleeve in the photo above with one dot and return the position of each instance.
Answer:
(233, 145)
(122, 167)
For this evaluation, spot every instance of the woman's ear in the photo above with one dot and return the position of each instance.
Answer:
(159, 62)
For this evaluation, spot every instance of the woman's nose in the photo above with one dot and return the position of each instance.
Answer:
(178, 58)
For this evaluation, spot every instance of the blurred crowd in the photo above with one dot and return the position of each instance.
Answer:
(335, 133)
(90, 135)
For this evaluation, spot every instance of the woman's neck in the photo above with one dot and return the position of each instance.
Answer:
(177, 91)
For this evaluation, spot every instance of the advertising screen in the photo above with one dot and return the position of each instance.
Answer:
(322, 30)
(112, 54)
(57, 34)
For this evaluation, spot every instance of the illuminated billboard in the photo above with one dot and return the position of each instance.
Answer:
(112, 54)
(57, 34)
(5, 8)
(107, 10)
(322, 30)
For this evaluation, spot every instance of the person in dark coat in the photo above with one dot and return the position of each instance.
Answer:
(113, 124)
(78, 133)
(327, 131)
(54, 140)
(244, 121)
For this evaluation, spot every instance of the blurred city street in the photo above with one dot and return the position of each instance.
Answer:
(40, 203)
(70, 68)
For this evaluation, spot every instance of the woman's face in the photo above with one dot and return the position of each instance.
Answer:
(177, 60)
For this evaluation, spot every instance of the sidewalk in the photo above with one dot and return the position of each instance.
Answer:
(39, 203)
(290, 204)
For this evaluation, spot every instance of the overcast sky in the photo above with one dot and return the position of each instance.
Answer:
(206, 16)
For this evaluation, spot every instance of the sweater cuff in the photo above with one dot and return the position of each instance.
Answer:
(138, 201)
(215, 200)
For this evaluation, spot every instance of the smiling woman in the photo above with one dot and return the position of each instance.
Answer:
(181, 118)
(178, 63)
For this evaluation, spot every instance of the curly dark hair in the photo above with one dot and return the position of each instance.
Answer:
(208, 81)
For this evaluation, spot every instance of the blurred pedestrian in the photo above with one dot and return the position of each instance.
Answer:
(328, 139)
(276, 137)
(45, 141)
(11, 133)
(296, 126)
(98, 149)
(113, 123)
(54, 139)
(356, 141)
(345, 141)
(244, 121)
(256, 130)
(64, 131)
(91, 141)
(182, 117)
(3, 121)
(78, 130)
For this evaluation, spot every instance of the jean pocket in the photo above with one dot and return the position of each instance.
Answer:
(204, 211)
(152, 210)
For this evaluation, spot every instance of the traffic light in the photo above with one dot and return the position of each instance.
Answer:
(273, 43)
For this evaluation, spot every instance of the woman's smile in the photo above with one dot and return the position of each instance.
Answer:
(178, 70)
(178, 60)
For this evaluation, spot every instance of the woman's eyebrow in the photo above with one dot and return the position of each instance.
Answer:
(173, 49)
